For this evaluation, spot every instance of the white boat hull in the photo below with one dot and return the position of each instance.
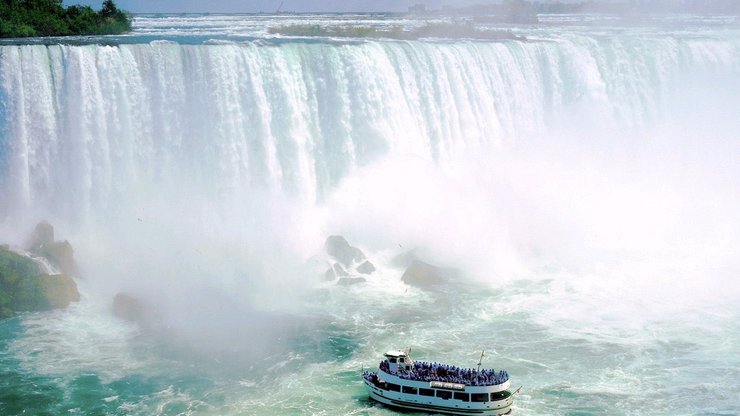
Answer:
(435, 404)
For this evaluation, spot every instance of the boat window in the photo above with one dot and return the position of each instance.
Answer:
(393, 360)
(426, 392)
(500, 395)
(462, 396)
(409, 390)
(443, 394)
(394, 387)
(400, 360)
(479, 397)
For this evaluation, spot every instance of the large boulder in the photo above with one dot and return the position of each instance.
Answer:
(45, 292)
(59, 253)
(347, 262)
(128, 307)
(366, 268)
(42, 235)
(423, 274)
(141, 309)
(335, 270)
(338, 247)
(61, 256)
(24, 287)
(13, 268)
(405, 259)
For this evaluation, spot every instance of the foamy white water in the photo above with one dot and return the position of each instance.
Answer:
(583, 181)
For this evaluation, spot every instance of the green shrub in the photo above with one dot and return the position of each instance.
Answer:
(24, 18)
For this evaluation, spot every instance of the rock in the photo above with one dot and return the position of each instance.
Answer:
(14, 266)
(42, 235)
(422, 274)
(23, 286)
(349, 281)
(404, 260)
(128, 307)
(329, 274)
(45, 292)
(366, 268)
(338, 247)
(334, 271)
(61, 255)
(141, 309)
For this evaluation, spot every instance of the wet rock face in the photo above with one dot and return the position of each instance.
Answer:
(405, 259)
(423, 275)
(27, 286)
(338, 247)
(335, 270)
(347, 262)
(23, 286)
(45, 292)
(59, 253)
(42, 235)
(128, 307)
(366, 268)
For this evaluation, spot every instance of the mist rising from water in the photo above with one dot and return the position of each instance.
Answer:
(212, 173)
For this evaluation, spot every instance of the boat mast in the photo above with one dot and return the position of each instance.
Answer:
(480, 361)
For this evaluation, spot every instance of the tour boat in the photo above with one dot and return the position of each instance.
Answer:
(439, 388)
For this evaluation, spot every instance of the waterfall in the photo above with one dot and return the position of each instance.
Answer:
(522, 145)
(86, 127)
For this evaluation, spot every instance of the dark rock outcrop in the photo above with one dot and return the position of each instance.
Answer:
(347, 262)
(338, 247)
(404, 260)
(334, 271)
(42, 235)
(140, 309)
(128, 307)
(423, 274)
(61, 256)
(59, 253)
(366, 268)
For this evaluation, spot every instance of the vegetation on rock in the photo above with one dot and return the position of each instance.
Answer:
(26, 18)
(13, 269)
(44, 292)
(23, 286)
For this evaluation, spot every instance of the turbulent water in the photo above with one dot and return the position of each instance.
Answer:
(582, 180)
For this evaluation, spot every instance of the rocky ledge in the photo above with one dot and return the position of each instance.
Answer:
(27, 286)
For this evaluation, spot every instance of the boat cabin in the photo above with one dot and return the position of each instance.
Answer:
(399, 362)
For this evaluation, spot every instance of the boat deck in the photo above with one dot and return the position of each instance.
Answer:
(428, 372)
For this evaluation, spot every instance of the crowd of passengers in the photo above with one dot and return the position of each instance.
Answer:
(424, 371)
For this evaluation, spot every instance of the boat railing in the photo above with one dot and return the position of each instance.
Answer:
(427, 372)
